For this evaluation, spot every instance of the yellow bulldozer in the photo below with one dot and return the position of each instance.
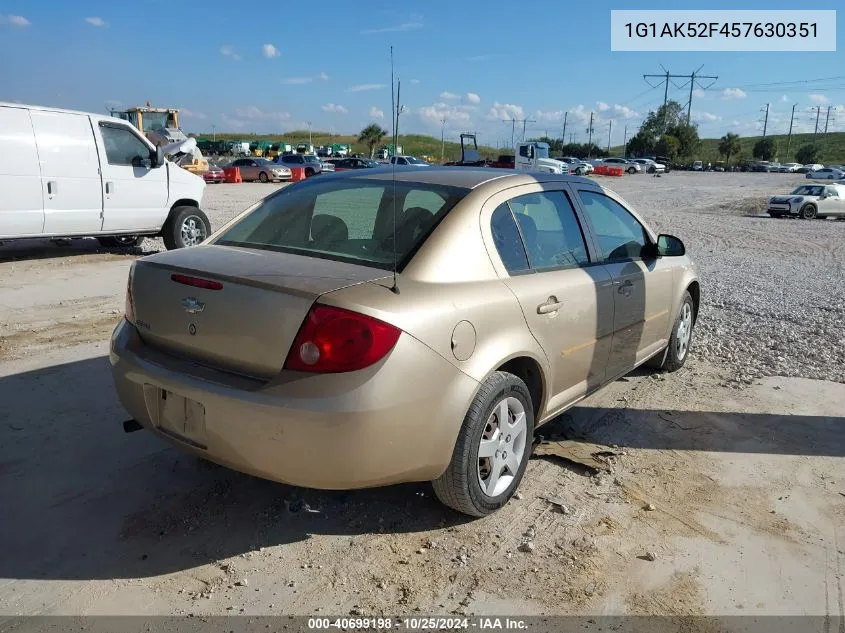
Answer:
(161, 127)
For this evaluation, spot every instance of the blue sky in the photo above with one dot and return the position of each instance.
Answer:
(271, 67)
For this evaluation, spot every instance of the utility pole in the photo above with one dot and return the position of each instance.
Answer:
(563, 136)
(766, 120)
(664, 79)
(816, 129)
(590, 141)
(789, 138)
(213, 132)
(524, 123)
(625, 143)
(309, 132)
(609, 132)
(513, 130)
(827, 119)
(443, 138)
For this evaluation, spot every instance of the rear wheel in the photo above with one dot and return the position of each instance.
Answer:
(124, 241)
(186, 226)
(808, 212)
(492, 449)
(263, 177)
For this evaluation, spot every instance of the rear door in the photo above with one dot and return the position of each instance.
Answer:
(21, 205)
(642, 289)
(71, 186)
(135, 194)
(566, 297)
(833, 202)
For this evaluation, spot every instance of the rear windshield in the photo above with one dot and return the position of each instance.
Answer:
(346, 219)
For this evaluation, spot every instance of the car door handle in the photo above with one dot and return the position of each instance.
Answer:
(625, 287)
(109, 187)
(551, 305)
(52, 188)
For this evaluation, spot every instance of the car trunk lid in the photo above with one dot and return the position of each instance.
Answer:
(236, 309)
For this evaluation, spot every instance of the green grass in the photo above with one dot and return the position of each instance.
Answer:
(413, 144)
(831, 146)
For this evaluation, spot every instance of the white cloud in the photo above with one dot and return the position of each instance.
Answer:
(435, 113)
(227, 51)
(448, 96)
(580, 114)
(555, 116)
(14, 20)
(296, 81)
(192, 114)
(784, 99)
(624, 111)
(819, 99)
(365, 87)
(323, 77)
(414, 22)
(254, 113)
(334, 107)
(95, 21)
(472, 98)
(232, 122)
(505, 111)
(698, 93)
(733, 93)
(415, 81)
(375, 113)
(269, 51)
(602, 106)
(480, 58)
(705, 117)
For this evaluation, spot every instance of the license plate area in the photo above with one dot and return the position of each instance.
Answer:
(181, 418)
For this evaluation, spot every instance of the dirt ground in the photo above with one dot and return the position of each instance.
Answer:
(706, 498)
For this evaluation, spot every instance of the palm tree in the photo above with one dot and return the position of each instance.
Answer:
(372, 136)
(729, 146)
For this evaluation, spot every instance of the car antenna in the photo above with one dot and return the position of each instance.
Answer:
(393, 116)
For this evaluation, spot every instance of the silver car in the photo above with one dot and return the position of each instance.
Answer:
(261, 169)
(810, 201)
(629, 166)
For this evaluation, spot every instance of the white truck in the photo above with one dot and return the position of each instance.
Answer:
(78, 174)
(533, 156)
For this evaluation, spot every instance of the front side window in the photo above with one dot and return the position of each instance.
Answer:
(619, 234)
(123, 147)
(550, 230)
(346, 220)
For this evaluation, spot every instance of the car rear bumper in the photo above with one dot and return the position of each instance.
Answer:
(394, 422)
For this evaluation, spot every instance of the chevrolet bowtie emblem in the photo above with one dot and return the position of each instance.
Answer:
(192, 305)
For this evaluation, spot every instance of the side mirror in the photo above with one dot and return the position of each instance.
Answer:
(670, 246)
(156, 157)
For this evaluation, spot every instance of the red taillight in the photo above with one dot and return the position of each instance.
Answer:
(129, 308)
(334, 340)
(197, 282)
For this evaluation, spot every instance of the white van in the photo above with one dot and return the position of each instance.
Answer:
(77, 174)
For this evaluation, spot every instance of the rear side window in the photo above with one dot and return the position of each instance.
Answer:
(346, 220)
(550, 230)
(507, 240)
(122, 146)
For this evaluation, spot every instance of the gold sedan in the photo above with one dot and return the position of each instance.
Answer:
(371, 327)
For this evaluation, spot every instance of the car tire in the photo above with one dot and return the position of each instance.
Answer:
(632, 171)
(309, 172)
(673, 357)
(808, 212)
(263, 177)
(652, 170)
(121, 241)
(186, 226)
(460, 486)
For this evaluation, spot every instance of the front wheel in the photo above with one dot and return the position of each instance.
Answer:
(186, 226)
(632, 171)
(492, 449)
(808, 212)
(263, 177)
(675, 355)
(121, 241)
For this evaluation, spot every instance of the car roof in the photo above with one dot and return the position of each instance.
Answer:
(467, 177)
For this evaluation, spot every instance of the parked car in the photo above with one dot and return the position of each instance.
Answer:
(408, 160)
(214, 174)
(826, 173)
(628, 166)
(316, 393)
(326, 166)
(261, 169)
(810, 167)
(341, 164)
(577, 166)
(697, 166)
(79, 174)
(663, 160)
(309, 162)
(810, 201)
(790, 168)
(649, 166)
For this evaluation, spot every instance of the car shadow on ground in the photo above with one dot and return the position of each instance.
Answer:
(83, 500)
(46, 249)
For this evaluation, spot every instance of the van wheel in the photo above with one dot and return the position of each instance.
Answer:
(186, 226)
(124, 241)
(263, 177)
(492, 449)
